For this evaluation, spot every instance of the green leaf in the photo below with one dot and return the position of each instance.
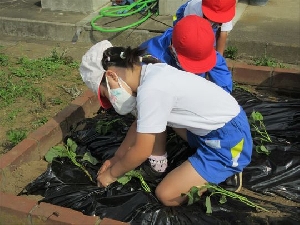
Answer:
(262, 149)
(193, 195)
(223, 199)
(256, 116)
(208, 205)
(190, 198)
(56, 151)
(72, 156)
(88, 157)
(124, 179)
(134, 173)
(72, 145)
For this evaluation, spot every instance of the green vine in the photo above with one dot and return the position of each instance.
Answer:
(256, 121)
(134, 173)
(195, 193)
(69, 150)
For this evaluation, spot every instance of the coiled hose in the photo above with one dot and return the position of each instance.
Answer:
(145, 7)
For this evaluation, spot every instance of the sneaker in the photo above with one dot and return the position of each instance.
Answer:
(233, 183)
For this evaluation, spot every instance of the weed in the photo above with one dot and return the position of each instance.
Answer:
(19, 72)
(36, 95)
(61, 58)
(56, 56)
(9, 92)
(19, 82)
(13, 114)
(73, 65)
(24, 81)
(3, 60)
(56, 101)
(40, 122)
(267, 61)
(35, 68)
(231, 52)
(13, 90)
(15, 136)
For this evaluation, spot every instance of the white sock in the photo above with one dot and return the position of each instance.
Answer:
(159, 162)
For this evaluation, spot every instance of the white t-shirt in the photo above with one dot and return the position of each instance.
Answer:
(171, 97)
(194, 7)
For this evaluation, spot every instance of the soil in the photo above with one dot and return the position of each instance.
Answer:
(15, 181)
(26, 114)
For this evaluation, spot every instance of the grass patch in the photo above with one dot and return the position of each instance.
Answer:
(3, 59)
(21, 76)
(40, 122)
(231, 52)
(267, 61)
(15, 136)
(31, 92)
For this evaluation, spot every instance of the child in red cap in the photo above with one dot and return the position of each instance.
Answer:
(218, 12)
(189, 46)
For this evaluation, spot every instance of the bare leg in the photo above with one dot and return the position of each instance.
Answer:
(178, 181)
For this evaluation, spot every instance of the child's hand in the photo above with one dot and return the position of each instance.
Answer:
(104, 179)
(106, 165)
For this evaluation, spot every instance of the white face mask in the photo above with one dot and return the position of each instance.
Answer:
(121, 100)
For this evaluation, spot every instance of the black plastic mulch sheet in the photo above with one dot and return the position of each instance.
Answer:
(66, 185)
(279, 172)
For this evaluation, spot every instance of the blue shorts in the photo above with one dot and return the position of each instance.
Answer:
(222, 152)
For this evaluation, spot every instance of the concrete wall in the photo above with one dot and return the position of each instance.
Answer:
(166, 7)
(169, 7)
(73, 5)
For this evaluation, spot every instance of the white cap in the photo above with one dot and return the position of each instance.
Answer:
(91, 69)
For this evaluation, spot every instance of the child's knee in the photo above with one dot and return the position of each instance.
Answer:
(166, 197)
(162, 194)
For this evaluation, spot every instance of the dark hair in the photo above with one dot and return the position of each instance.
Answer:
(150, 59)
(125, 57)
(103, 80)
(122, 57)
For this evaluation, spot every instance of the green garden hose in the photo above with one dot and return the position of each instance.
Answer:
(139, 6)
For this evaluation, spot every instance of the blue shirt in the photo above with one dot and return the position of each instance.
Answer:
(158, 47)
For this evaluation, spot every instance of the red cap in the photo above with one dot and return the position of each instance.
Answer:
(193, 40)
(104, 102)
(219, 11)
